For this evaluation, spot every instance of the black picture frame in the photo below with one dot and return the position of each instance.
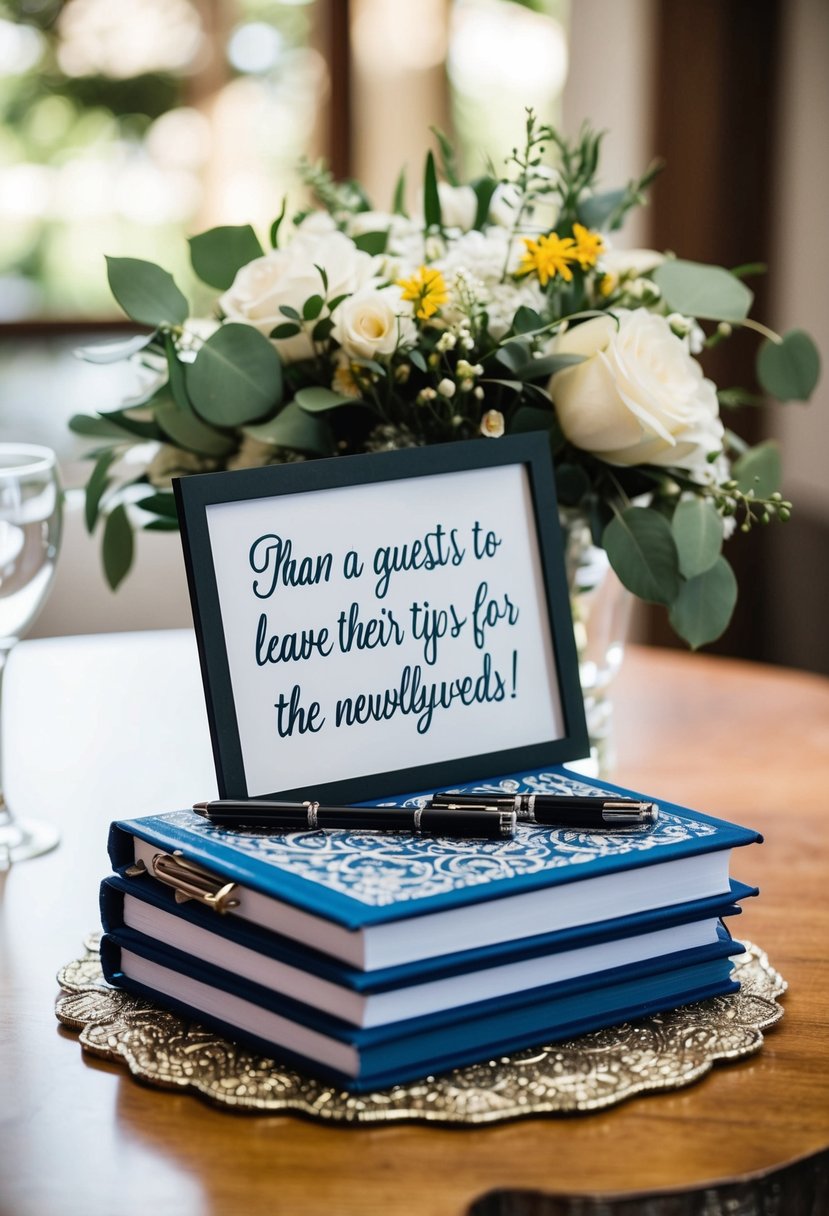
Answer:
(196, 493)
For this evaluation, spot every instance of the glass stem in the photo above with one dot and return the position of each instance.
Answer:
(5, 649)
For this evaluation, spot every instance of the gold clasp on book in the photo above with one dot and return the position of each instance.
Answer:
(190, 881)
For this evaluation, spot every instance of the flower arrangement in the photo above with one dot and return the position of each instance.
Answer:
(494, 307)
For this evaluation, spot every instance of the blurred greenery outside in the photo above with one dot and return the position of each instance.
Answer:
(127, 125)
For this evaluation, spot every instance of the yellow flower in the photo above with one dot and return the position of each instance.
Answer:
(426, 289)
(608, 284)
(589, 245)
(548, 256)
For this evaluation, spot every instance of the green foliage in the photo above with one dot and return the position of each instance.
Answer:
(707, 292)
(160, 504)
(372, 242)
(698, 535)
(460, 364)
(96, 487)
(431, 199)
(703, 608)
(236, 377)
(100, 427)
(296, 429)
(641, 549)
(789, 369)
(218, 254)
(187, 431)
(147, 294)
(759, 470)
(316, 400)
(118, 546)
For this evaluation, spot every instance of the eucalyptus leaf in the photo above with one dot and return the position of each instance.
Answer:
(160, 504)
(642, 551)
(162, 524)
(759, 469)
(547, 365)
(515, 385)
(318, 400)
(141, 428)
(218, 254)
(117, 547)
(113, 352)
(697, 290)
(527, 321)
(789, 369)
(703, 608)
(175, 371)
(96, 486)
(236, 377)
(416, 357)
(698, 534)
(513, 355)
(296, 429)
(97, 427)
(189, 432)
(146, 293)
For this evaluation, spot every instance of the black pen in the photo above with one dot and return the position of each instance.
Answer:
(560, 810)
(482, 821)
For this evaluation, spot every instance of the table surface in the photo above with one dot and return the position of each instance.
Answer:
(738, 740)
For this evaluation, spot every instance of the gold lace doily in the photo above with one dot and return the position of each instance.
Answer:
(663, 1051)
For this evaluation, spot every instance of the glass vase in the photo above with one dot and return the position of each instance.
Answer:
(601, 609)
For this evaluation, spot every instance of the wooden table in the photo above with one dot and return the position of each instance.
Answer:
(79, 1136)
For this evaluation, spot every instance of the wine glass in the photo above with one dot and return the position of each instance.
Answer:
(30, 528)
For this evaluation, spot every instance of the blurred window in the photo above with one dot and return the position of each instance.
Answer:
(126, 125)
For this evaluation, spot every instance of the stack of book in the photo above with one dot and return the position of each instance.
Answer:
(371, 958)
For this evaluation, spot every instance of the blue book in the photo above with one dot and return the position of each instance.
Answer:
(377, 900)
(371, 1058)
(373, 998)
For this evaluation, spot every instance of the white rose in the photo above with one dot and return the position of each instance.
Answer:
(289, 277)
(639, 397)
(369, 323)
(317, 223)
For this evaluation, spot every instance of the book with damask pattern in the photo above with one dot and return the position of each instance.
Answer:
(374, 900)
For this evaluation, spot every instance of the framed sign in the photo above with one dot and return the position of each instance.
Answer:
(369, 625)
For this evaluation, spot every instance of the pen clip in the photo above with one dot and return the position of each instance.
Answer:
(190, 881)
